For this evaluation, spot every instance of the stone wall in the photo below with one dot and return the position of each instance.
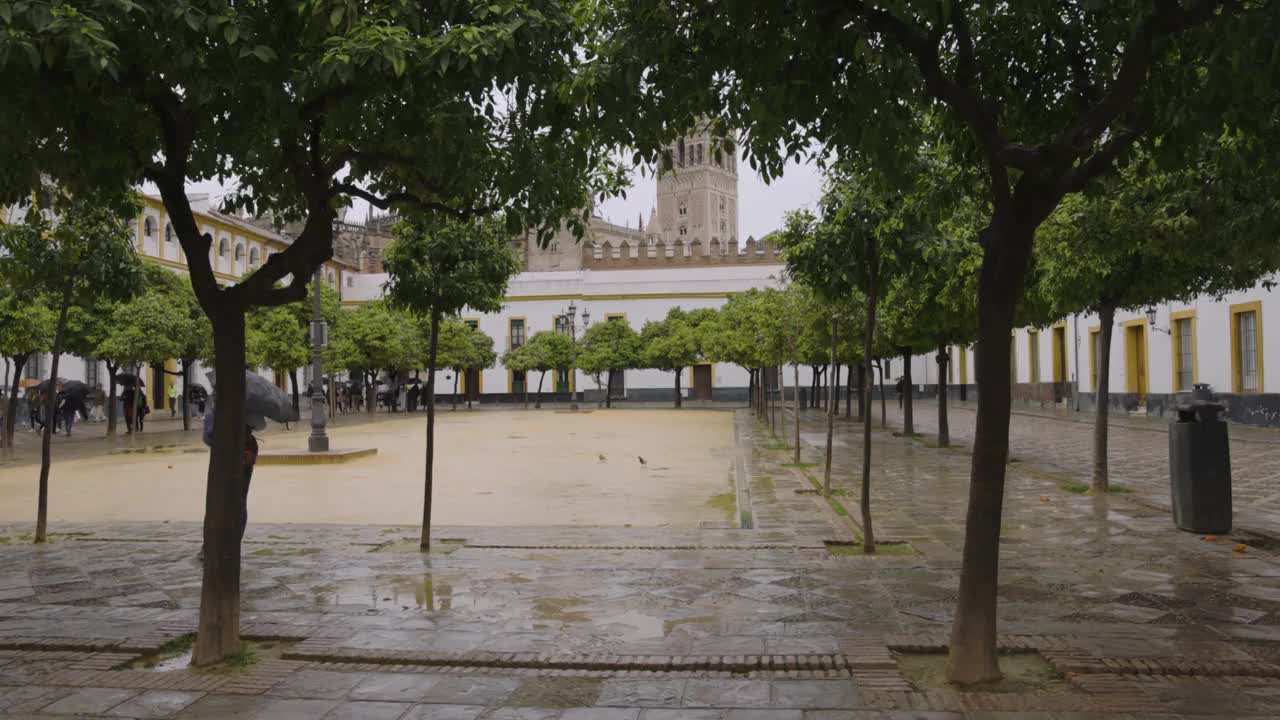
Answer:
(605, 255)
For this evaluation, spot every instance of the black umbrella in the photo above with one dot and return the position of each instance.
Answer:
(44, 386)
(262, 400)
(128, 380)
(411, 381)
(76, 389)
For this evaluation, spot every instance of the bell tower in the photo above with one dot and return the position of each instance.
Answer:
(698, 196)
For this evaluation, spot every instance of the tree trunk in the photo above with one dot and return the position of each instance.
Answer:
(526, 389)
(868, 534)
(772, 406)
(218, 634)
(795, 406)
(883, 422)
(425, 543)
(782, 399)
(833, 393)
(537, 404)
(848, 389)
(11, 409)
(1102, 399)
(293, 383)
(46, 437)
(371, 392)
(453, 401)
(111, 398)
(908, 419)
(608, 392)
(973, 656)
(944, 432)
(677, 390)
(186, 389)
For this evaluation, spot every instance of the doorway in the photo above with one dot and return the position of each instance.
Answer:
(701, 389)
(471, 385)
(618, 385)
(1135, 355)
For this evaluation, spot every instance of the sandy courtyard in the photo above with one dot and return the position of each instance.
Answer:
(492, 468)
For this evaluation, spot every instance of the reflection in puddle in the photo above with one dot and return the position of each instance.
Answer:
(424, 592)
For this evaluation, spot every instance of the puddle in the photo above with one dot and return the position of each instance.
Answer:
(423, 592)
(175, 656)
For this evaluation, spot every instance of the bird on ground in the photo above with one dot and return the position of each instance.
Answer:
(601, 456)
(642, 462)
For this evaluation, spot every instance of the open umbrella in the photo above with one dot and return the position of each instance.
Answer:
(44, 386)
(76, 389)
(128, 380)
(411, 381)
(262, 400)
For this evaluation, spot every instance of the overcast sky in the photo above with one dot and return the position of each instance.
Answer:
(760, 207)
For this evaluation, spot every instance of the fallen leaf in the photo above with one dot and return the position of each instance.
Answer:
(1044, 498)
(1240, 548)
(1209, 538)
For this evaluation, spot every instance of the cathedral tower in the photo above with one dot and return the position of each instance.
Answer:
(698, 196)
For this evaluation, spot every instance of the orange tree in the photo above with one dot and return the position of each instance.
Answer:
(1036, 99)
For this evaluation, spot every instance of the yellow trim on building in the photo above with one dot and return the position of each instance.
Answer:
(1058, 346)
(1013, 357)
(1137, 361)
(1093, 357)
(964, 364)
(1174, 319)
(510, 375)
(1237, 378)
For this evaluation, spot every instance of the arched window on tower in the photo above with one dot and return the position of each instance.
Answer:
(254, 257)
(168, 233)
(684, 208)
(680, 151)
(147, 228)
(699, 153)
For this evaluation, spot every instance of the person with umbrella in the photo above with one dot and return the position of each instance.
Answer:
(262, 400)
(141, 408)
(71, 401)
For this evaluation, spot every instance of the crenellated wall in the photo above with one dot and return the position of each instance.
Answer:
(604, 255)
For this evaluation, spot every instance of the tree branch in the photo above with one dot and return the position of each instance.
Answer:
(1168, 18)
(295, 291)
(412, 200)
(1075, 179)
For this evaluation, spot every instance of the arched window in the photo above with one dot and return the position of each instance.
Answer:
(699, 153)
(331, 278)
(147, 227)
(684, 208)
(223, 247)
(168, 233)
(239, 252)
(254, 255)
(680, 150)
(351, 280)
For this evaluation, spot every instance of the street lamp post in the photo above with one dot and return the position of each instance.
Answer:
(570, 320)
(318, 441)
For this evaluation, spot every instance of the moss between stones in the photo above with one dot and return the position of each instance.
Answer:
(557, 692)
(1024, 673)
(891, 548)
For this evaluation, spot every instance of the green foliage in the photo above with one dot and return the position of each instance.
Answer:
(372, 337)
(609, 346)
(79, 251)
(276, 340)
(26, 325)
(1150, 236)
(151, 328)
(438, 267)
(462, 347)
(670, 344)
(548, 350)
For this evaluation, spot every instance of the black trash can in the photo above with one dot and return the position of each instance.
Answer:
(1200, 465)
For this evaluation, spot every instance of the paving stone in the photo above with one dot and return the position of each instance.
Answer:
(294, 709)
(510, 713)
(642, 693)
(444, 712)
(682, 714)
(368, 710)
(318, 684)
(471, 690)
(88, 701)
(155, 704)
(219, 707)
(600, 713)
(816, 694)
(726, 693)
(396, 687)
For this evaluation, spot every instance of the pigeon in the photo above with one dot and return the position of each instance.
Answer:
(602, 457)
(642, 462)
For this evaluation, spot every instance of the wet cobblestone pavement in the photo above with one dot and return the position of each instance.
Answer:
(1135, 618)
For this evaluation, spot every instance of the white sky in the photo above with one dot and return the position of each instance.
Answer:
(761, 207)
